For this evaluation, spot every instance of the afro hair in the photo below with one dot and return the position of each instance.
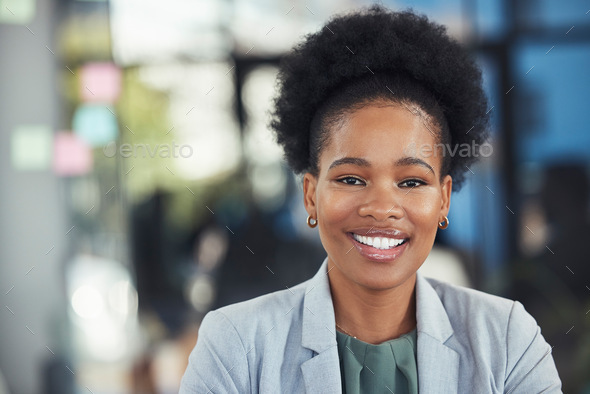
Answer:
(350, 61)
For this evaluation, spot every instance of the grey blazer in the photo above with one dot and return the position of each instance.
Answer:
(285, 342)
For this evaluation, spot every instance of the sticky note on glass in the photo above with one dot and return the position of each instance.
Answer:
(71, 155)
(17, 11)
(100, 82)
(31, 147)
(95, 124)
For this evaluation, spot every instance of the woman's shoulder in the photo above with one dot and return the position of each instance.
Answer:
(498, 334)
(474, 312)
(468, 299)
(242, 342)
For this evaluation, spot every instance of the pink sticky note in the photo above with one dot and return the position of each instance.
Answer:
(100, 82)
(71, 156)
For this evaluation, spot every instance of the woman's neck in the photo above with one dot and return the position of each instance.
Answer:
(373, 316)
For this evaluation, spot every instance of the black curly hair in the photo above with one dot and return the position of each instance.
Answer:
(376, 54)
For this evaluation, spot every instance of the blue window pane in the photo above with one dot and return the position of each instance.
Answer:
(551, 108)
(490, 18)
(551, 13)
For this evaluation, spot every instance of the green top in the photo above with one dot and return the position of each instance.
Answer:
(387, 367)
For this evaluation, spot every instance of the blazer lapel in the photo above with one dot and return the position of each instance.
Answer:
(318, 373)
(321, 373)
(438, 364)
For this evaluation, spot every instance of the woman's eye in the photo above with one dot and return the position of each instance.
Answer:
(412, 183)
(350, 181)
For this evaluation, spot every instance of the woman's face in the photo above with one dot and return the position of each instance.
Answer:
(378, 197)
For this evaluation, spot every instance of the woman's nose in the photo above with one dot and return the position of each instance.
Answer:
(382, 202)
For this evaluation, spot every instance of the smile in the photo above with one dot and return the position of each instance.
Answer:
(379, 242)
(379, 249)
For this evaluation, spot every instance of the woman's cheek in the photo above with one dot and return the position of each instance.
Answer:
(424, 208)
(338, 207)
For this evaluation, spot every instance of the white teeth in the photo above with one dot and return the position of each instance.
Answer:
(378, 242)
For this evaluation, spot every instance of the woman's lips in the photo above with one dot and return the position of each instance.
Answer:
(380, 232)
(378, 255)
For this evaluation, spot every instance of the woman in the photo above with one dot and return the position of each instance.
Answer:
(370, 110)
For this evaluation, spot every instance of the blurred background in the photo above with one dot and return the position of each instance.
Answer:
(140, 187)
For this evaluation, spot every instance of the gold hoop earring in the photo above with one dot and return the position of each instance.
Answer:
(444, 224)
(311, 222)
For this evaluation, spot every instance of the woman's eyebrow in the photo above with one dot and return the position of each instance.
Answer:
(357, 161)
(412, 161)
(404, 161)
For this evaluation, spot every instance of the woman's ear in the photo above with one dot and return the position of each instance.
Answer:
(446, 188)
(309, 194)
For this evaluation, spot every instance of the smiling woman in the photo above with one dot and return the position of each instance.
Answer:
(355, 101)
(383, 205)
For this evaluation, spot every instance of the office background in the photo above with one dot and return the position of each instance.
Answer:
(140, 186)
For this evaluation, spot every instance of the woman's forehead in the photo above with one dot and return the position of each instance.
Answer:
(381, 129)
(379, 135)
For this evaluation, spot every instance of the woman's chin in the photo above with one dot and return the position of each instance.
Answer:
(379, 281)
